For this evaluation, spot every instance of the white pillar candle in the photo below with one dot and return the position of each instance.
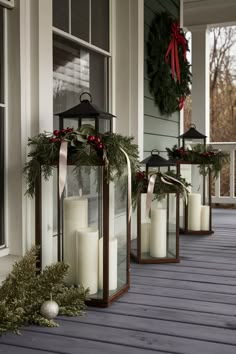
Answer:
(158, 233)
(75, 217)
(113, 248)
(194, 212)
(87, 259)
(145, 237)
(205, 217)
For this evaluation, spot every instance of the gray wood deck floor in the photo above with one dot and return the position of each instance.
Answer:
(185, 308)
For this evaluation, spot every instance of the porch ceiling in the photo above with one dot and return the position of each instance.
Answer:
(203, 12)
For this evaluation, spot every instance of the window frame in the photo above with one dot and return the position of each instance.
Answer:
(3, 140)
(87, 44)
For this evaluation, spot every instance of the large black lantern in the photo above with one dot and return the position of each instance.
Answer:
(155, 229)
(91, 218)
(86, 113)
(196, 215)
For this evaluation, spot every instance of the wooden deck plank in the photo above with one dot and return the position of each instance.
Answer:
(157, 326)
(172, 315)
(9, 349)
(59, 343)
(183, 294)
(131, 338)
(185, 308)
(186, 276)
(184, 284)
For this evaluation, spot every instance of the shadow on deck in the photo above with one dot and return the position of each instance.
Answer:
(185, 308)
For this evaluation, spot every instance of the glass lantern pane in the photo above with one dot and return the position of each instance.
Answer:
(82, 225)
(48, 241)
(190, 143)
(158, 230)
(134, 233)
(198, 209)
(118, 234)
(145, 228)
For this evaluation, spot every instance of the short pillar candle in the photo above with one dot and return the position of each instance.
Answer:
(87, 259)
(194, 211)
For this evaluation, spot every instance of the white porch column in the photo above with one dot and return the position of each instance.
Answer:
(127, 47)
(200, 81)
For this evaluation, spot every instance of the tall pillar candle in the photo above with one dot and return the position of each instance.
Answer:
(87, 259)
(75, 217)
(205, 217)
(113, 248)
(145, 237)
(158, 246)
(194, 211)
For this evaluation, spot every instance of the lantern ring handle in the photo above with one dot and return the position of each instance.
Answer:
(155, 152)
(192, 126)
(85, 93)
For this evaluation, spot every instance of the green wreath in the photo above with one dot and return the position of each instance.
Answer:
(169, 92)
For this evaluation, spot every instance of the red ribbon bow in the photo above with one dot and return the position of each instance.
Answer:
(177, 38)
(181, 101)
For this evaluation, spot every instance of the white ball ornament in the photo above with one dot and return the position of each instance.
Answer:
(49, 309)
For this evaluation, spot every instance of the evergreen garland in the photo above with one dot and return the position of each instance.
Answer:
(167, 91)
(84, 149)
(24, 291)
(206, 157)
(140, 185)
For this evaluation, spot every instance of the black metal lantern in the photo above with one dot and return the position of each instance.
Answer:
(192, 136)
(155, 237)
(196, 216)
(91, 224)
(86, 113)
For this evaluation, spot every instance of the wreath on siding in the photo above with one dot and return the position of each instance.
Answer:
(167, 67)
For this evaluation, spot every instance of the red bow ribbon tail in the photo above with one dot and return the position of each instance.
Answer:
(181, 102)
(177, 67)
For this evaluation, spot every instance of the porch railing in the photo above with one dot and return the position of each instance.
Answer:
(219, 198)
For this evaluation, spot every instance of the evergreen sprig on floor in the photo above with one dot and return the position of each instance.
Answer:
(25, 289)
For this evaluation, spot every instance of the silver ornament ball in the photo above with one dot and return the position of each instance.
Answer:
(49, 309)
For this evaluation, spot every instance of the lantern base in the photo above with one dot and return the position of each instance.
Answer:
(153, 260)
(105, 302)
(200, 233)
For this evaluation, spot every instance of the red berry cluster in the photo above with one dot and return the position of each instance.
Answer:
(58, 134)
(140, 175)
(208, 154)
(96, 141)
(181, 152)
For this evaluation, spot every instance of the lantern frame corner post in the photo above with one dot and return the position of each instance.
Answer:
(38, 218)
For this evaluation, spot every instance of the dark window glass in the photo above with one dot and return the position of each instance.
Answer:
(1, 176)
(61, 14)
(76, 70)
(100, 23)
(1, 57)
(80, 19)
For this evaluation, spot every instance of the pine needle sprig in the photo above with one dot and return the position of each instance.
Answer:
(24, 291)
